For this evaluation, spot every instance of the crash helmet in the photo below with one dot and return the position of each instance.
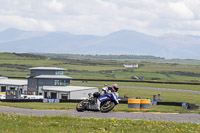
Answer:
(114, 87)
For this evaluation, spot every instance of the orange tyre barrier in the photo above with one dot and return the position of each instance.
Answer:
(134, 104)
(145, 104)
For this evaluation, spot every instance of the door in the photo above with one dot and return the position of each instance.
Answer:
(65, 96)
(53, 95)
(45, 94)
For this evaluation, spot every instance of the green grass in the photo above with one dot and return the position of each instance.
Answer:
(12, 64)
(64, 124)
(153, 85)
(42, 106)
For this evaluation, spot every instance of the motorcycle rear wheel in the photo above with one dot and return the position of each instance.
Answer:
(80, 107)
(107, 106)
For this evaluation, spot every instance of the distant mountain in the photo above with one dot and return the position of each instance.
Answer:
(120, 42)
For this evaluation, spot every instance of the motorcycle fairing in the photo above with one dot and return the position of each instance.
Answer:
(106, 97)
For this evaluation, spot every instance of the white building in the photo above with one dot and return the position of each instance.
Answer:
(13, 84)
(67, 92)
(49, 82)
(131, 65)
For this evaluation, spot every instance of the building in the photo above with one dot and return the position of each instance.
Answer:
(67, 92)
(47, 82)
(52, 83)
(13, 84)
(14, 88)
(131, 65)
(46, 76)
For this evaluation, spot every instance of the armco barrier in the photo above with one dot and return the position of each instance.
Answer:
(40, 100)
(70, 100)
(21, 100)
(189, 106)
(170, 103)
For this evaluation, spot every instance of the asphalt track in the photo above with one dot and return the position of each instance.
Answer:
(146, 88)
(183, 118)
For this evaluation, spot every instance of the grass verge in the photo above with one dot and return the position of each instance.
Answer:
(64, 124)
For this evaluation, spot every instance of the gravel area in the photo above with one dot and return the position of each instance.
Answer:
(186, 118)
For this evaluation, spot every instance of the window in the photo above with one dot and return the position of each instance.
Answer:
(56, 82)
(59, 72)
(10, 92)
(21, 91)
(12, 88)
(3, 89)
(61, 83)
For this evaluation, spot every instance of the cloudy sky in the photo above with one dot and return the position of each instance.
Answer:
(101, 17)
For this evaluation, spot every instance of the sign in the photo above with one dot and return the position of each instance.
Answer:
(51, 100)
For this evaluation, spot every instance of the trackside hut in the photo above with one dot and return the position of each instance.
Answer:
(13, 85)
(68, 92)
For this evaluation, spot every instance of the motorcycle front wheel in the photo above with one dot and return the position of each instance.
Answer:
(80, 107)
(107, 106)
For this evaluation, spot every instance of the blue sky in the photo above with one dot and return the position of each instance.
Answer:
(100, 17)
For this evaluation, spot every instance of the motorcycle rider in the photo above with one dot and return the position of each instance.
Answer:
(108, 89)
(113, 88)
(103, 101)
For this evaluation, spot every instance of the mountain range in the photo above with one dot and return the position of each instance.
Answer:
(119, 42)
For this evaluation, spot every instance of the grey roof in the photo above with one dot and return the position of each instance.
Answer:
(1, 77)
(52, 76)
(67, 88)
(47, 68)
(13, 82)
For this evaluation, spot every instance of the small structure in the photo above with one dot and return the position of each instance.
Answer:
(67, 92)
(131, 65)
(13, 85)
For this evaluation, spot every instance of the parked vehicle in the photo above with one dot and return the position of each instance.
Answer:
(103, 101)
(31, 97)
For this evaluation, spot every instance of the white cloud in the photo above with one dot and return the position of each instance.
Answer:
(102, 16)
(180, 11)
(25, 23)
(55, 5)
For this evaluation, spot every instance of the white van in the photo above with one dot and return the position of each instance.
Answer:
(31, 97)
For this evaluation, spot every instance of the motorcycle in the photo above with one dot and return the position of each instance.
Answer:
(103, 101)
